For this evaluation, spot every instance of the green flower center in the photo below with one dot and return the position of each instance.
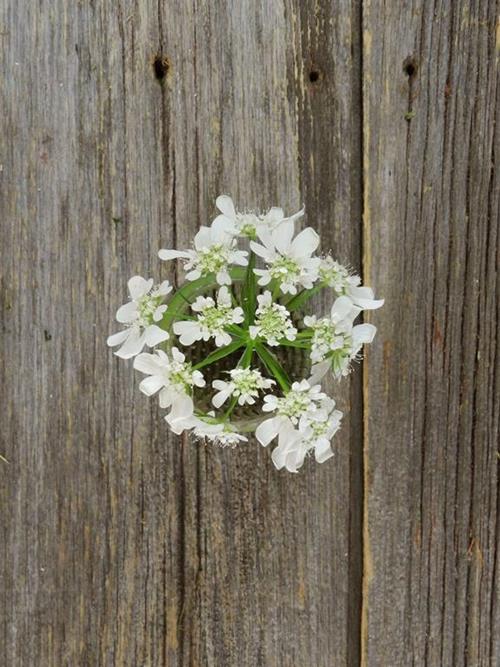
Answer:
(294, 404)
(273, 321)
(214, 318)
(246, 381)
(213, 259)
(180, 374)
(284, 268)
(146, 307)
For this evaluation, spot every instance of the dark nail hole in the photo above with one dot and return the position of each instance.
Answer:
(161, 65)
(410, 66)
(314, 76)
(47, 335)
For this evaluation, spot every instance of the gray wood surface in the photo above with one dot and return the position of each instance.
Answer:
(121, 122)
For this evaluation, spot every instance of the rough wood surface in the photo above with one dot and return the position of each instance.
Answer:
(121, 122)
(431, 384)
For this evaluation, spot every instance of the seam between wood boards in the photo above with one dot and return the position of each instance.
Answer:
(367, 565)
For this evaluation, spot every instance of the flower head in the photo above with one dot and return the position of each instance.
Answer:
(248, 224)
(212, 320)
(174, 379)
(288, 262)
(272, 322)
(244, 384)
(223, 435)
(336, 342)
(297, 407)
(315, 436)
(214, 252)
(344, 282)
(140, 314)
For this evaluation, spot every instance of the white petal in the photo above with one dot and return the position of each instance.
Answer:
(165, 288)
(240, 257)
(323, 450)
(363, 297)
(151, 385)
(220, 385)
(155, 335)
(223, 278)
(181, 412)
(203, 238)
(166, 255)
(274, 215)
(127, 313)
(238, 315)
(138, 286)
(282, 236)
(295, 458)
(268, 430)
(261, 251)
(193, 275)
(318, 371)
(223, 297)
(188, 331)
(265, 276)
(222, 339)
(198, 379)
(305, 243)
(118, 338)
(222, 230)
(279, 457)
(220, 398)
(296, 216)
(363, 333)
(177, 355)
(133, 345)
(341, 308)
(148, 363)
(266, 237)
(225, 205)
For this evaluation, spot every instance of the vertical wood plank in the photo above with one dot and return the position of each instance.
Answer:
(431, 587)
(122, 545)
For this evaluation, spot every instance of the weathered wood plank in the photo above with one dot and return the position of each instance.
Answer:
(431, 219)
(122, 545)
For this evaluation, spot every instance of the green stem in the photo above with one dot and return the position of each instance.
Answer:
(249, 291)
(273, 366)
(303, 297)
(219, 354)
(303, 345)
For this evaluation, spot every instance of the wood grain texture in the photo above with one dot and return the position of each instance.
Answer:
(122, 545)
(431, 223)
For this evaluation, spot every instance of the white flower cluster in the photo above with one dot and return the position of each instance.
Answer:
(221, 304)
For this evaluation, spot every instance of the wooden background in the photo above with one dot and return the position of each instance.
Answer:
(120, 123)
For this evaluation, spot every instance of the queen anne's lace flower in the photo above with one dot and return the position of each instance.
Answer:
(141, 314)
(346, 283)
(241, 325)
(272, 321)
(223, 435)
(174, 379)
(245, 384)
(288, 262)
(297, 407)
(248, 224)
(315, 435)
(214, 252)
(212, 320)
(336, 340)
